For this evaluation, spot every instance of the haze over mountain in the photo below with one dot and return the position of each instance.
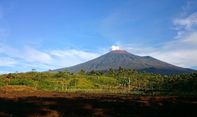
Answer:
(120, 58)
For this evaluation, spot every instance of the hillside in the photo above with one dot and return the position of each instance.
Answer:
(124, 59)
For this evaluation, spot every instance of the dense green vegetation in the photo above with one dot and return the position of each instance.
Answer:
(121, 80)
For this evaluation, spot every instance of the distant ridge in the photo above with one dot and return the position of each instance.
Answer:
(121, 58)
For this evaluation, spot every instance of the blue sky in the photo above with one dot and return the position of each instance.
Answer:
(49, 34)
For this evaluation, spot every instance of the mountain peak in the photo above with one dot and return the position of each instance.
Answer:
(119, 51)
(120, 58)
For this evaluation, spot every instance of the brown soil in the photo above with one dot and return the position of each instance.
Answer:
(35, 103)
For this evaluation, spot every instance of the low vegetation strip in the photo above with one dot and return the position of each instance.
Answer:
(111, 81)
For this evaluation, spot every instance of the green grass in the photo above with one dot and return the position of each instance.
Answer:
(2, 82)
(21, 81)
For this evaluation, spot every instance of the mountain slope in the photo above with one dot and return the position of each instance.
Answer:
(121, 58)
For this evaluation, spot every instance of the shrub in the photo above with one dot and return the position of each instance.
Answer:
(73, 83)
(2, 83)
(107, 81)
(46, 85)
(20, 81)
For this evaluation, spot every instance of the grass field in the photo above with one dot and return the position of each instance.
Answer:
(126, 81)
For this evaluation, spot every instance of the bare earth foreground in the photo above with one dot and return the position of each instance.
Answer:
(35, 103)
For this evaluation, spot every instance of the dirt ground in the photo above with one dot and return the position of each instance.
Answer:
(52, 104)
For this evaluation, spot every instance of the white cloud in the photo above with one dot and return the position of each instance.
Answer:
(178, 52)
(73, 53)
(181, 51)
(29, 57)
(191, 39)
(24, 57)
(6, 61)
(188, 22)
(183, 58)
(185, 25)
(64, 58)
(34, 55)
(114, 47)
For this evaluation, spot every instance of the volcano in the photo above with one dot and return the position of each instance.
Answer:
(121, 58)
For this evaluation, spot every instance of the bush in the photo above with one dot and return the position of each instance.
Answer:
(73, 83)
(62, 75)
(20, 81)
(2, 83)
(107, 81)
(46, 85)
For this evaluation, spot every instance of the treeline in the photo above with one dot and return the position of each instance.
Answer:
(152, 82)
(116, 80)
